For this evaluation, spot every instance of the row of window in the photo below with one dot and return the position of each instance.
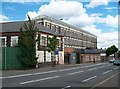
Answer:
(14, 41)
(79, 43)
(69, 33)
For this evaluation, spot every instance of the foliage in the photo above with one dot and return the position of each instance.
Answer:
(118, 54)
(52, 46)
(27, 43)
(111, 50)
(52, 43)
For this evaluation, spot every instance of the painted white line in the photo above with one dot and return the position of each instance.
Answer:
(69, 69)
(45, 72)
(32, 81)
(17, 76)
(102, 66)
(93, 69)
(23, 75)
(89, 79)
(93, 65)
(116, 68)
(104, 81)
(87, 66)
(107, 72)
(66, 87)
(75, 72)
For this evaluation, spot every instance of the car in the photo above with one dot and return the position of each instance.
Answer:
(116, 62)
(111, 61)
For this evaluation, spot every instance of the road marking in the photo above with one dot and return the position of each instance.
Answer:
(104, 81)
(16, 76)
(102, 66)
(23, 75)
(66, 87)
(89, 78)
(44, 72)
(93, 65)
(107, 72)
(75, 72)
(93, 69)
(32, 81)
(116, 68)
(69, 69)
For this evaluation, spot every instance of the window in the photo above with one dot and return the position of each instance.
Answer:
(14, 41)
(2, 41)
(57, 29)
(59, 43)
(43, 41)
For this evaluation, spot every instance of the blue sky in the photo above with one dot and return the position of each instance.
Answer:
(99, 17)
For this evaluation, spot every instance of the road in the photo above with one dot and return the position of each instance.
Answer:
(84, 75)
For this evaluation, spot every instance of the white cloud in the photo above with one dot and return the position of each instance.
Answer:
(109, 20)
(110, 8)
(3, 18)
(10, 8)
(64, 9)
(108, 39)
(95, 3)
(81, 20)
(32, 14)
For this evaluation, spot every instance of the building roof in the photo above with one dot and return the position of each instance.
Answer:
(15, 27)
(90, 51)
(62, 23)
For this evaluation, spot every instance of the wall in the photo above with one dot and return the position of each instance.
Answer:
(40, 55)
(91, 57)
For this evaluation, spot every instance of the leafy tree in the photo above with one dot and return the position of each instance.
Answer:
(118, 54)
(111, 50)
(27, 43)
(52, 46)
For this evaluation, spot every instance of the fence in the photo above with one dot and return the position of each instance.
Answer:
(9, 59)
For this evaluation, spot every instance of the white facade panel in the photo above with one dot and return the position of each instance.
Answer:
(40, 55)
(48, 56)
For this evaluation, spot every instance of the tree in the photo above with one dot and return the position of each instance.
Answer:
(111, 50)
(52, 46)
(27, 43)
(118, 54)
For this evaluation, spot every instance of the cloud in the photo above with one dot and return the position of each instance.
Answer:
(110, 8)
(96, 3)
(10, 8)
(81, 20)
(3, 18)
(109, 20)
(31, 14)
(64, 9)
(109, 38)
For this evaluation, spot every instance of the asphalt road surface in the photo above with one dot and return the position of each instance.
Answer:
(83, 75)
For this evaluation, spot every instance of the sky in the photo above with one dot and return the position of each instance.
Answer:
(99, 17)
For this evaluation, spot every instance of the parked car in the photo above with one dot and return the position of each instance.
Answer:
(111, 61)
(116, 62)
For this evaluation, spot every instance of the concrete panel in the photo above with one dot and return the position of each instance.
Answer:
(40, 55)
(48, 56)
